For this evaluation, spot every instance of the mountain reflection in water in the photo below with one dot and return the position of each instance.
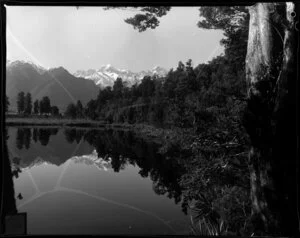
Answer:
(76, 181)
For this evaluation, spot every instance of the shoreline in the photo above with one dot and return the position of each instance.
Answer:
(50, 122)
(145, 131)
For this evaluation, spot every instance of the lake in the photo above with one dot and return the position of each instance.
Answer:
(87, 181)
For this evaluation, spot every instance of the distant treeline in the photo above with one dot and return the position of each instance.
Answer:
(187, 97)
(26, 107)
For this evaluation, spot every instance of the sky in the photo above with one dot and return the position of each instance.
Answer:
(89, 37)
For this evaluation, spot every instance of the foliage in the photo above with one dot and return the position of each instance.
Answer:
(28, 104)
(79, 109)
(21, 102)
(36, 107)
(147, 17)
(45, 106)
(71, 111)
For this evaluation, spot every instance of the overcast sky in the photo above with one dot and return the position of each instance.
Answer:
(90, 37)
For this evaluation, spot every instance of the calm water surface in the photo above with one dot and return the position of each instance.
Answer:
(75, 181)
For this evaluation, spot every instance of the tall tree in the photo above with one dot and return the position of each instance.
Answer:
(45, 106)
(21, 102)
(71, 111)
(269, 119)
(147, 87)
(90, 110)
(36, 107)
(79, 109)
(28, 104)
(118, 88)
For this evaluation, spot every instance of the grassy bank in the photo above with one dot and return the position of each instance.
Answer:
(61, 122)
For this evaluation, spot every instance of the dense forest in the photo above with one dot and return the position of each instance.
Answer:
(189, 96)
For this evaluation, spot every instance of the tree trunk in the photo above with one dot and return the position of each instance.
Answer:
(269, 118)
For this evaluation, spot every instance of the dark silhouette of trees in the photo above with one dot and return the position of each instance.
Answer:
(71, 111)
(23, 138)
(27, 137)
(45, 106)
(79, 109)
(147, 87)
(147, 18)
(20, 139)
(36, 107)
(35, 134)
(72, 135)
(21, 102)
(28, 104)
(90, 110)
(118, 88)
(44, 135)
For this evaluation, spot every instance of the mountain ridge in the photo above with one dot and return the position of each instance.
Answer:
(63, 87)
(57, 83)
(107, 74)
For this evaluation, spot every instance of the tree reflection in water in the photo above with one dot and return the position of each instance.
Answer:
(174, 174)
(24, 135)
(122, 148)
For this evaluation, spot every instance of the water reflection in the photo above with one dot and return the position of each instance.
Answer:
(23, 138)
(111, 150)
(74, 135)
(120, 148)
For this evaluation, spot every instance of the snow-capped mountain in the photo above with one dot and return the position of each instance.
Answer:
(93, 159)
(89, 159)
(107, 74)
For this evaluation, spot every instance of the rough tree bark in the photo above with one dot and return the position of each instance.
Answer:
(269, 117)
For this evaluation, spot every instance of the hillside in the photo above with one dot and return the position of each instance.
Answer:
(58, 84)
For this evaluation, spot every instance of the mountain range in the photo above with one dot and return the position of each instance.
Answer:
(107, 74)
(61, 86)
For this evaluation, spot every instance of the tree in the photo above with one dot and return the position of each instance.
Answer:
(271, 79)
(79, 109)
(45, 106)
(148, 18)
(21, 102)
(234, 21)
(90, 110)
(71, 111)
(28, 104)
(118, 88)
(36, 107)
(147, 87)
(180, 67)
